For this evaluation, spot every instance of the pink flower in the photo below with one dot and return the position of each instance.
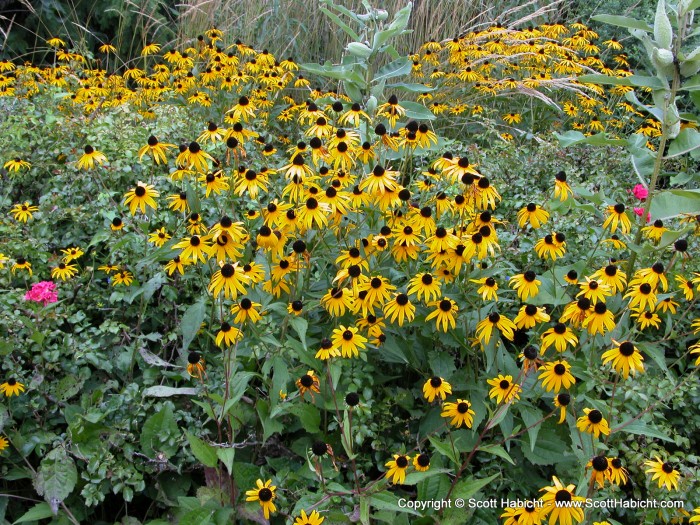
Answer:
(640, 192)
(640, 211)
(43, 292)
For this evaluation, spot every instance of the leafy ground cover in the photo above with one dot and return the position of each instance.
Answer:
(239, 288)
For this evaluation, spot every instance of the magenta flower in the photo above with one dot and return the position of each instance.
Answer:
(43, 292)
(640, 192)
(640, 211)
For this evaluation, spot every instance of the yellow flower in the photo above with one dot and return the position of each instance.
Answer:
(436, 387)
(140, 197)
(23, 212)
(503, 389)
(11, 387)
(460, 412)
(91, 158)
(397, 468)
(159, 237)
(263, 494)
(664, 472)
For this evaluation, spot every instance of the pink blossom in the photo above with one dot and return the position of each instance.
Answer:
(43, 292)
(640, 211)
(640, 192)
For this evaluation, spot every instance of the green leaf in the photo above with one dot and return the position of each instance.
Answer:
(344, 72)
(359, 50)
(56, 478)
(445, 449)
(640, 428)
(394, 69)
(154, 360)
(389, 501)
(202, 450)
(412, 88)
(686, 141)
(663, 32)
(342, 25)
(168, 391)
(309, 416)
(416, 110)
(226, 456)
(270, 426)
(201, 516)
(157, 432)
(192, 322)
(300, 326)
(38, 512)
(572, 138)
(466, 488)
(416, 477)
(673, 203)
(497, 450)
(548, 450)
(623, 21)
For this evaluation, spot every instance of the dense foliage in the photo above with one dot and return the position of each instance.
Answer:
(236, 287)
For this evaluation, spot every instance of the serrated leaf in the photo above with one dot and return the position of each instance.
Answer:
(56, 477)
(466, 488)
(640, 428)
(168, 391)
(201, 516)
(38, 512)
(497, 450)
(202, 450)
(226, 456)
(157, 431)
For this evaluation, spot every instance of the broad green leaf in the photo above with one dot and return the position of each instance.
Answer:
(548, 450)
(640, 428)
(394, 69)
(300, 326)
(359, 50)
(226, 456)
(159, 432)
(686, 141)
(466, 488)
(416, 477)
(389, 501)
(663, 32)
(497, 450)
(642, 162)
(623, 21)
(412, 88)
(202, 450)
(168, 391)
(416, 110)
(270, 426)
(56, 477)
(446, 449)
(192, 322)
(201, 516)
(309, 416)
(673, 203)
(342, 25)
(38, 512)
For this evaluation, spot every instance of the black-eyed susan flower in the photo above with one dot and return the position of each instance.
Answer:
(571, 277)
(337, 300)
(313, 518)
(655, 230)
(560, 336)
(4, 443)
(116, 224)
(23, 212)
(195, 157)
(617, 473)
(547, 247)
(655, 276)
(230, 280)
(327, 350)
(195, 365)
(313, 212)
(156, 149)
(460, 412)
(91, 158)
(615, 241)
(530, 315)
(159, 237)
(214, 182)
(611, 275)
(641, 296)
(593, 422)
(488, 288)
(526, 284)
(176, 264)
(400, 309)
(421, 462)
(348, 341)
(11, 387)
(664, 472)
(556, 375)
(17, 164)
(246, 310)
(264, 494)
(600, 320)
(71, 254)
(122, 277)
(562, 190)
(593, 290)
(397, 468)
(561, 505)
(195, 248)
(484, 329)
(379, 180)
(534, 215)
(503, 389)
(667, 305)
(625, 358)
(308, 383)
(444, 313)
(140, 197)
(527, 514)
(436, 387)
(617, 218)
(561, 401)
(21, 264)
(227, 335)
(647, 319)
(64, 271)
